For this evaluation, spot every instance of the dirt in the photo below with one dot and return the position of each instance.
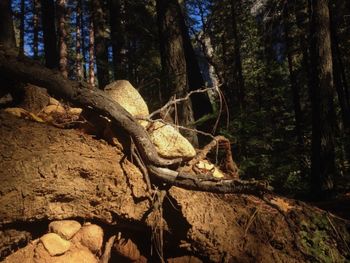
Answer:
(52, 174)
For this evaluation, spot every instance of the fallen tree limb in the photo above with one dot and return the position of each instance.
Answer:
(209, 183)
(26, 70)
(79, 93)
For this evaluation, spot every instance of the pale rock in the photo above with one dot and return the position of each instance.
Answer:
(50, 109)
(75, 111)
(128, 97)
(77, 255)
(208, 167)
(54, 244)
(65, 228)
(90, 236)
(169, 142)
(53, 101)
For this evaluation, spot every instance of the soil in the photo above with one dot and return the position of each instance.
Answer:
(50, 174)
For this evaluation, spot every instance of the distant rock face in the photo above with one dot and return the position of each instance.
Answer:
(128, 97)
(169, 142)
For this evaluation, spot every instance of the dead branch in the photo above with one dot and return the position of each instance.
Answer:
(80, 93)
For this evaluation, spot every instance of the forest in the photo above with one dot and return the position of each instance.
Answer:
(174, 131)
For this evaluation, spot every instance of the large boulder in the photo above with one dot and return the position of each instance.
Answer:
(128, 97)
(169, 142)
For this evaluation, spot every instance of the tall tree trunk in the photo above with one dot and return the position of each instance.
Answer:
(303, 21)
(293, 79)
(174, 61)
(238, 72)
(36, 7)
(200, 101)
(323, 156)
(338, 73)
(84, 49)
(7, 33)
(341, 85)
(62, 32)
(21, 28)
(79, 57)
(91, 54)
(117, 38)
(49, 31)
(101, 52)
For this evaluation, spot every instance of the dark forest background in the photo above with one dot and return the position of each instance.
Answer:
(283, 68)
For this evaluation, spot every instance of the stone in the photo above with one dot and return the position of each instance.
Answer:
(54, 244)
(208, 167)
(169, 142)
(77, 255)
(50, 109)
(128, 97)
(53, 101)
(91, 236)
(75, 111)
(65, 228)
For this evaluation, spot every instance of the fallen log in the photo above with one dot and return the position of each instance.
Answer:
(28, 71)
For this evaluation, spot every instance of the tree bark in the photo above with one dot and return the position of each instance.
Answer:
(174, 64)
(36, 8)
(293, 79)
(62, 33)
(78, 45)
(323, 115)
(101, 50)
(21, 29)
(238, 72)
(49, 174)
(200, 101)
(7, 33)
(49, 31)
(117, 38)
(91, 54)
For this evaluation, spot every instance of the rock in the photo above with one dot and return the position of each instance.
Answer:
(75, 111)
(207, 167)
(90, 236)
(65, 228)
(77, 255)
(54, 244)
(53, 101)
(54, 109)
(169, 142)
(128, 97)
